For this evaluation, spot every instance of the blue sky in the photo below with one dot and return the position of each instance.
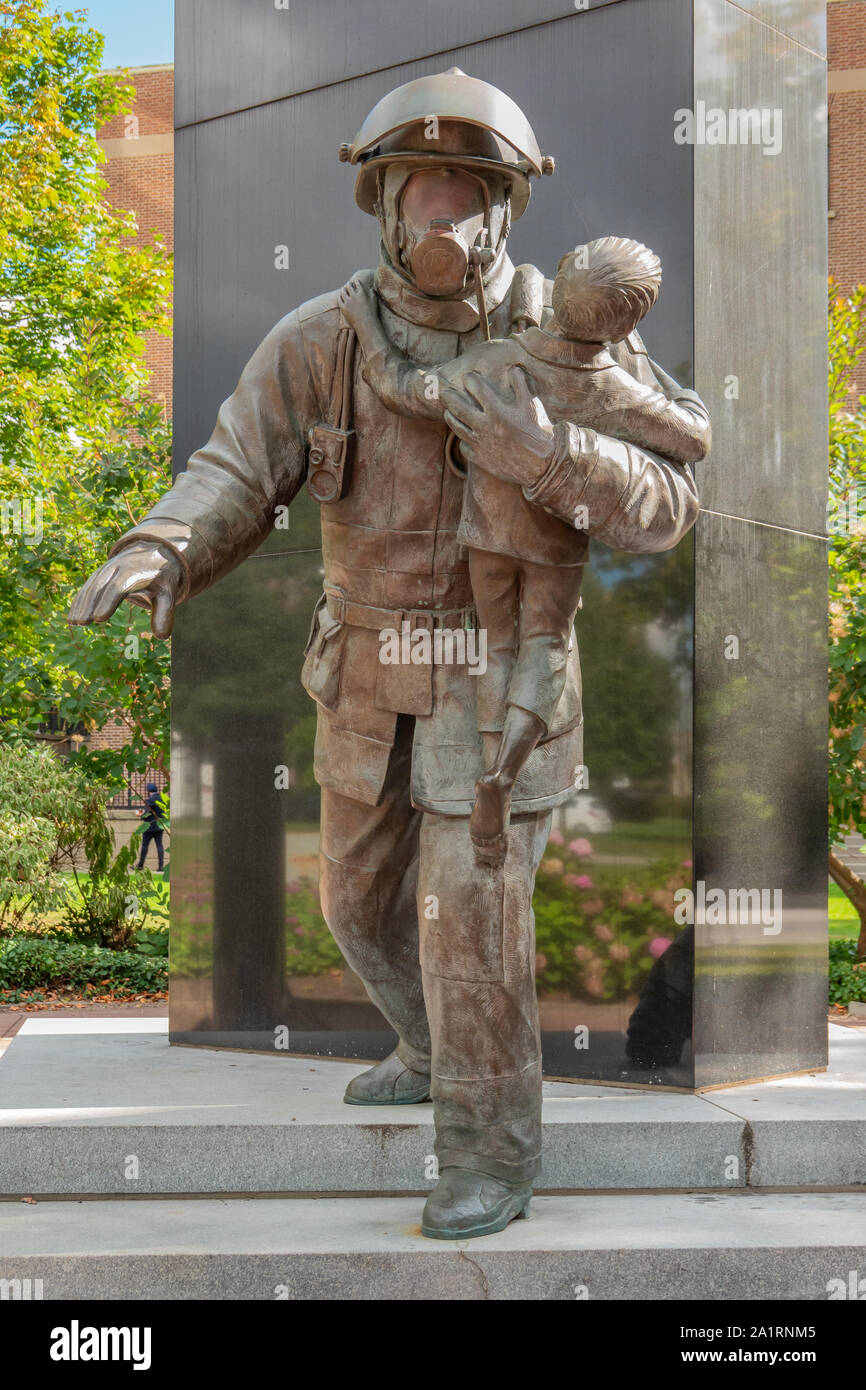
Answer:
(137, 32)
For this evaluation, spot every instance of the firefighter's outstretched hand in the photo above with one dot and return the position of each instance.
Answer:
(509, 435)
(143, 574)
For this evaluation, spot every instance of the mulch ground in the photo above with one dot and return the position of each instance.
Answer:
(71, 1006)
(838, 1014)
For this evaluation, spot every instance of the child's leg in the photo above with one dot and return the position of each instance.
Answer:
(496, 591)
(491, 814)
(496, 588)
(548, 602)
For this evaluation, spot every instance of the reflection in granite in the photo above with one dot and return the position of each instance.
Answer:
(761, 590)
(251, 954)
(803, 20)
(760, 272)
(604, 895)
(760, 798)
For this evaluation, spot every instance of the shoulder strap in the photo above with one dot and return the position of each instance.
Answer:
(526, 306)
(339, 413)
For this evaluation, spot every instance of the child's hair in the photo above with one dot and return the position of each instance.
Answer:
(602, 290)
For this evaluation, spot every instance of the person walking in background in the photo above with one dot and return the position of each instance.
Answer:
(154, 824)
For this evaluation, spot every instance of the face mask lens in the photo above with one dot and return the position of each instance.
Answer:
(442, 213)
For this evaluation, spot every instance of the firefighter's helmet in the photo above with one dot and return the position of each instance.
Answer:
(447, 118)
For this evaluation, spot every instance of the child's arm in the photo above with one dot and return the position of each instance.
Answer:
(674, 424)
(401, 384)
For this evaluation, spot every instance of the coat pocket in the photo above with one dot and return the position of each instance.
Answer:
(320, 674)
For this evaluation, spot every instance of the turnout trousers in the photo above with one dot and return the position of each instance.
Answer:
(446, 949)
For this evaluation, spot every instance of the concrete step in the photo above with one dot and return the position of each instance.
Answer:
(101, 1106)
(728, 1246)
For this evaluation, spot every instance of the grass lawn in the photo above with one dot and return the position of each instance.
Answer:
(51, 921)
(667, 837)
(844, 922)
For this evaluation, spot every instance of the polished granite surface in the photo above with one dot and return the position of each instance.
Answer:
(760, 274)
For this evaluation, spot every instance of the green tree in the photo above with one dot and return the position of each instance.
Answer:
(84, 451)
(847, 526)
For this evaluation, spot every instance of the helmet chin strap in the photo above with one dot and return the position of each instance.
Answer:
(479, 256)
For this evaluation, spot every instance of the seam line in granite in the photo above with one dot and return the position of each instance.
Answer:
(275, 554)
(769, 525)
(398, 63)
(781, 32)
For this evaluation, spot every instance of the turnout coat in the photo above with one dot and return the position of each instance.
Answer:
(390, 545)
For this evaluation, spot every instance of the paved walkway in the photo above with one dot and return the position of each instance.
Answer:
(11, 1019)
(853, 854)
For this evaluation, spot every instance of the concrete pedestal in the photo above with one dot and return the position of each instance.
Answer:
(235, 1176)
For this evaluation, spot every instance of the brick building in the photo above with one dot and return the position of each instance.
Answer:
(140, 175)
(846, 52)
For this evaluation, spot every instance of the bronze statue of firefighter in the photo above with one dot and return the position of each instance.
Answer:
(466, 428)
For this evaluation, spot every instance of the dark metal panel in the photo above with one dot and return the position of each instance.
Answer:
(232, 54)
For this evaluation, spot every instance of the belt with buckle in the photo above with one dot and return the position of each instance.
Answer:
(343, 610)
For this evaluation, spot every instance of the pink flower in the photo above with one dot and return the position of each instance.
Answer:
(619, 951)
(583, 953)
(662, 900)
(658, 946)
(603, 932)
(540, 961)
(630, 898)
(582, 848)
(293, 919)
(299, 931)
(582, 881)
(556, 837)
(687, 863)
(553, 866)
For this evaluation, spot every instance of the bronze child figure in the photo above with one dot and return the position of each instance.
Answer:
(526, 568)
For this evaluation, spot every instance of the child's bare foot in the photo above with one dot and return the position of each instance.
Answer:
(491, 814)
(358, 306)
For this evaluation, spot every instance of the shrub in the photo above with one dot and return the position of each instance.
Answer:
(53, 817)
(310, 947)
(29, 963)
(847, 974)
(44, 805)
